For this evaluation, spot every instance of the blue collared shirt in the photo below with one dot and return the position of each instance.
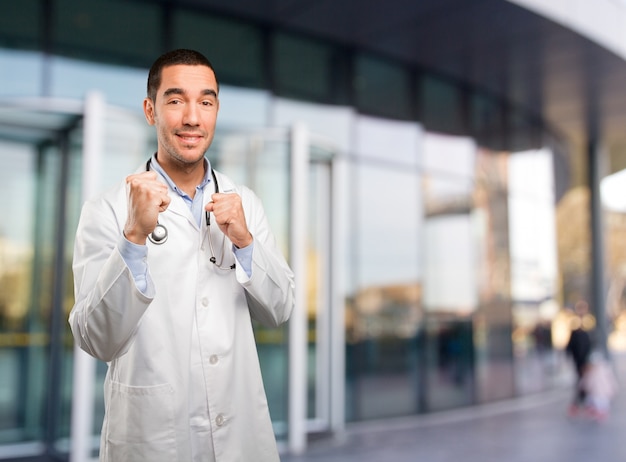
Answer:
(135, 255)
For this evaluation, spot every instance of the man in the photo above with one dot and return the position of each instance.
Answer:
(168, 274)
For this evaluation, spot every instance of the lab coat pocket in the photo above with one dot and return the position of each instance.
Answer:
(141, 423)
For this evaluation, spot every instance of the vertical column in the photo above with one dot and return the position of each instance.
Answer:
(338, 264)
(298, 337)
(598, 299)
(85, 365)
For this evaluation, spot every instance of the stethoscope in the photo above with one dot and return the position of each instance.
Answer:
(159, 235)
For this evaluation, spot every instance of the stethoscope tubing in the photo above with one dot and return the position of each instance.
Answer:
(160, 234)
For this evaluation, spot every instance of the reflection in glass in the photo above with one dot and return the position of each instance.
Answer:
(19, 359)
(384, 313)
(492, 320)
(450, 271)
(534, 282)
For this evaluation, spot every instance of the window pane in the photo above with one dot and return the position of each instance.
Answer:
(21, 364)
(388, 140)
(486, 121)
(382, 88)
(385, 313)
(534, 283)
(451, 271)
(451, 155)
(302, 68)
(234, 48)
(20, 73)
(441, 106)
(108, 29)
(493, 319)
(20, 24)
(121, 86)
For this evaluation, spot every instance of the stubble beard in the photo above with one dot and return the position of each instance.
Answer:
(177, 154)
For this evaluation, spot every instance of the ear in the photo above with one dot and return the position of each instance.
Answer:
(148, 110)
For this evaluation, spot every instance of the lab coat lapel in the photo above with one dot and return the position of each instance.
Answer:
(179, 207)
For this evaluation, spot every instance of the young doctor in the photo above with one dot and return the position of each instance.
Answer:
(169, 267)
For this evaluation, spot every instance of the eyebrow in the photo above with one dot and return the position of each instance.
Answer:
(180, 91)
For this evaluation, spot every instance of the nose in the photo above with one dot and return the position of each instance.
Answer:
(190, 114)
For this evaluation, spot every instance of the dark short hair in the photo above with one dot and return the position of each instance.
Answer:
(173, 58)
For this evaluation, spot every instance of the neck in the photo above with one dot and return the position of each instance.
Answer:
(185, 175)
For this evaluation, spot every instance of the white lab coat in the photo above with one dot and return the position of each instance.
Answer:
(183, 375)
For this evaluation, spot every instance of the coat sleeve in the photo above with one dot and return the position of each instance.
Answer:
(270, 288)
(108, 306)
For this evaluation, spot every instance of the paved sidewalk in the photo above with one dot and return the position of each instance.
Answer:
(529, 429)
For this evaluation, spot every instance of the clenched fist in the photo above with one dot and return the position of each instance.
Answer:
(228, 213)
(147, 197)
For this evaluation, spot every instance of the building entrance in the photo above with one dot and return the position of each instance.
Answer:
(40, 154)
(57, 154)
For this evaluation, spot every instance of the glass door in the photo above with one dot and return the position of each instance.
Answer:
(318, 293)
(264, 160)
(37, 154)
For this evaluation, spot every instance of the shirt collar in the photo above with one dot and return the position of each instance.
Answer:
(206, 180)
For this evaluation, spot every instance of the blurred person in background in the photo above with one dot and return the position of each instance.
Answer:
(170, 267)
(579, 348)
(599, 385)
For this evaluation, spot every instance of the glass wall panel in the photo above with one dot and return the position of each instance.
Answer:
(534, 282)
(493, 319)
(42, 285)
(120, 86)
(441, 106)
(335, 124)
(388, 140)
(614, 203)
(22, 360)
(20, 24)
(33, 287)
(452, 262)
(384, 313)
(112, 30)
(302, 68)
(450, 155)
(382, 88)
(241, 107)
(21, 73)
(486, 120)
(235, 48)
(449, 300)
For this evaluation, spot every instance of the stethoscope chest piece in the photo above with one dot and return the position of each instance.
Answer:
(159, 235)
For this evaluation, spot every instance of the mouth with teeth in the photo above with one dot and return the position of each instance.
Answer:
(190, 139)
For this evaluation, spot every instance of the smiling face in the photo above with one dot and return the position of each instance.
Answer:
(184, 114)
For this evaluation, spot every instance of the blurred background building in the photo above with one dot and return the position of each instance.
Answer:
(432, 168)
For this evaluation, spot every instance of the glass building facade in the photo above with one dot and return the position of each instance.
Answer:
(432, 267)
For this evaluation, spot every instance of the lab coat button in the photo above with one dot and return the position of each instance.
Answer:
(219, 420)
(205, 301)
(213, 359)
